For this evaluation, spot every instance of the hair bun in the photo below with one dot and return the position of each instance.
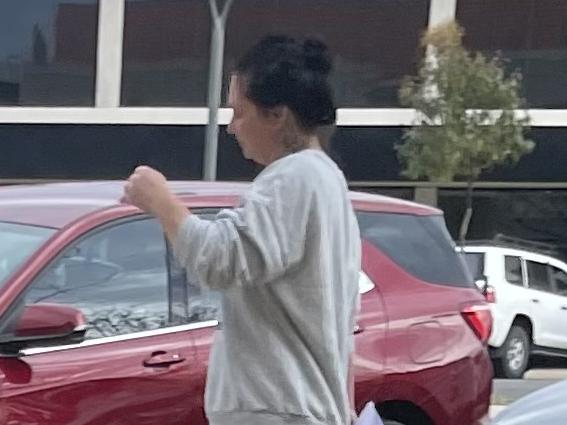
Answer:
(317, 56)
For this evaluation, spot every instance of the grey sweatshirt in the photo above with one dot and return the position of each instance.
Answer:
(287, 262)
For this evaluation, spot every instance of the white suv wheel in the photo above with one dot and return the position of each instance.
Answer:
(515, 354)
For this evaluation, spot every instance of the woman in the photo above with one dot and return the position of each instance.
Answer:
(286, 260)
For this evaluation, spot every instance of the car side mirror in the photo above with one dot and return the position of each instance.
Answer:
(44, 325)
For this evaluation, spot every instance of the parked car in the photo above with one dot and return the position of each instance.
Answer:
(543, 407)
(527, 293)
(98, 324)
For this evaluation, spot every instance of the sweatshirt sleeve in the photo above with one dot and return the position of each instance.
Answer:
(252, 244)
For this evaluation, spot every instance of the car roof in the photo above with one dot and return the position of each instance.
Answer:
(507, 250)
(58, 204)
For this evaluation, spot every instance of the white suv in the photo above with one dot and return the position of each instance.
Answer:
(527, 292)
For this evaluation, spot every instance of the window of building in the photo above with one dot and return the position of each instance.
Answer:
(48, 52)
(364, 154)
(166, 53)
(373, 43)
(78, 151)
(367, 153)
(531, 36)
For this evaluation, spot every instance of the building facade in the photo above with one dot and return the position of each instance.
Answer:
(91, 88)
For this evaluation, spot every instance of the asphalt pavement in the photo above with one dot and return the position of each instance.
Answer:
(506, 391)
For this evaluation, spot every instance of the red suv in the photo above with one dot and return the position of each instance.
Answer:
(99, 326)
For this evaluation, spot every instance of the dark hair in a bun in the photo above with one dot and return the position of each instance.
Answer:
(317, 57)
(280, 70)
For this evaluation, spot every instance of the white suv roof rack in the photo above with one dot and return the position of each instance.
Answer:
(505, 241)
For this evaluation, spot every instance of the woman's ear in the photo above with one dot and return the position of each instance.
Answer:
(279, 116)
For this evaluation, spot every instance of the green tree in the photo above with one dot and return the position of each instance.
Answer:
(467, 108)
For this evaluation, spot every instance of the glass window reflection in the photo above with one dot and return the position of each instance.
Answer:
(190, 299)
(166, 53)
(48, 52)
(531, 36)
(117, 277)
(374, 43)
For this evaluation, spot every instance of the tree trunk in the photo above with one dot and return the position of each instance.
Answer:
(468, 213)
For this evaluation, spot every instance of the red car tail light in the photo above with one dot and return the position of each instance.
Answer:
(479, 318)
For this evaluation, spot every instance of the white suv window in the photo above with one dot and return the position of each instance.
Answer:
(475, 263)
(513, 268)
(559, 278)
(538, 277)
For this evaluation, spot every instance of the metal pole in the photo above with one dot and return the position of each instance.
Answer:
(215, 86)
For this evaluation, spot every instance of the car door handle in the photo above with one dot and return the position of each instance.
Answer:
(564, 307)
(535, 300)
(163, 359)
(358, 329)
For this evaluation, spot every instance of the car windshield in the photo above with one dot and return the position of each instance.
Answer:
(17, 243)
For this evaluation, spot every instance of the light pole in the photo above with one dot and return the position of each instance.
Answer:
(218, 20)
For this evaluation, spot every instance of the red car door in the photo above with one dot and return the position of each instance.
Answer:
(122, 381)
(136, 363)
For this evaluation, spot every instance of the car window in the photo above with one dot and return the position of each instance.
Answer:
(116, 276)
(18, 242)
(559, 280)
(421, 245)
(190, 299)
(475, 263)
(538, 277)
(513, 270)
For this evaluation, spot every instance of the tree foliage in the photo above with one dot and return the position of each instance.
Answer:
(467, 108)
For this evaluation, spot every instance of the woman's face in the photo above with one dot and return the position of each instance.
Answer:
(255, 129)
